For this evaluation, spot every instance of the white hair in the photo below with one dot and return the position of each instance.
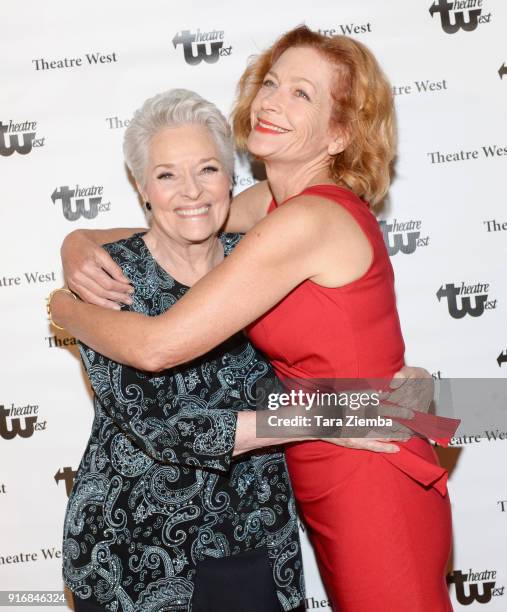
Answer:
(174, 108)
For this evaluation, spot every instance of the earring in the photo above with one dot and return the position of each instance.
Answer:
(148, 206)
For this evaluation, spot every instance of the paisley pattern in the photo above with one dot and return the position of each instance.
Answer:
(157, 490)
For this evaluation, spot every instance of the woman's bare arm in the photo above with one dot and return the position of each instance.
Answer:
(248, 208)
(274, 259)
(283, 250)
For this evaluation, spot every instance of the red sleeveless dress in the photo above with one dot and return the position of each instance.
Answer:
(380, 523)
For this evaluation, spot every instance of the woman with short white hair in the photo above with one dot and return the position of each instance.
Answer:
(161, 516)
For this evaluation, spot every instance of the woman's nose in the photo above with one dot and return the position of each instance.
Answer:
(192, 187)
(272, 101)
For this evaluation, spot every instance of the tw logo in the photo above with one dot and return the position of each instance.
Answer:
(76, 203)
(8, 431)
(502, 358)
(18, 138)
(398, 238)
(460, 304)
(67, 474)
(459, 21)
(488, 589)
(207, 46)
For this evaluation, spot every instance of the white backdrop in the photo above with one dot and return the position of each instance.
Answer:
(71, 76)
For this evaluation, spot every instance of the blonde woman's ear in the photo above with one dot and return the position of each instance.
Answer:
(335, 147)
(340, 142)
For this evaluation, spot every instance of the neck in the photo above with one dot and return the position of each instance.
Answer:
(187, 262)
(301, 176)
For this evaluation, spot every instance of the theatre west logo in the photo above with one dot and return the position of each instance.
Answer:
(67, 474)
(492, 225)
(460, 14)
(20, 421)
(89, 59)
(202, 46)
(115, 122)
(58, 342)
(347, 29)
(243, 181)
(311, 603)
(403, 236)
(466, 299)
(19, 138)
(502, 70)
(502, 358)
(493, 151)
(80, 201)
(475, 586)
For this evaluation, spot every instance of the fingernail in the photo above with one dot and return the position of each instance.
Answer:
(117, 307)
(128, 301)
(394, 449)
(131, 290)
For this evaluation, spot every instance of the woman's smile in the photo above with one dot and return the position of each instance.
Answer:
(193, 211)
(269, 128)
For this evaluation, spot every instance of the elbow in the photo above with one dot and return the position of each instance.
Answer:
(155, 357)
(155, 365)
(149, 360)
(153, 353)
(142, 355)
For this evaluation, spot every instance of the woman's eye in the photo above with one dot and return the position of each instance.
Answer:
(209, 169)
(302, 94)
(268, 83)
(165, 175)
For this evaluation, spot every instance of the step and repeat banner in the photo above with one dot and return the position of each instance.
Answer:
(71, 76)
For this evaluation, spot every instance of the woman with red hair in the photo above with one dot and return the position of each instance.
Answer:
(313, 284)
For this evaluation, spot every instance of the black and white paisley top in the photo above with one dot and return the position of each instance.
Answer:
(157, 490)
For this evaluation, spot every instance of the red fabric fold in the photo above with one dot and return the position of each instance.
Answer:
(437, 428)
(419, 469)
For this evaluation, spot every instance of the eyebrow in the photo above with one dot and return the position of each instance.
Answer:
(294, 79)
(201, 161)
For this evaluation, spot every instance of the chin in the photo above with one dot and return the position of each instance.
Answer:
(199, 234)
(257, 147)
